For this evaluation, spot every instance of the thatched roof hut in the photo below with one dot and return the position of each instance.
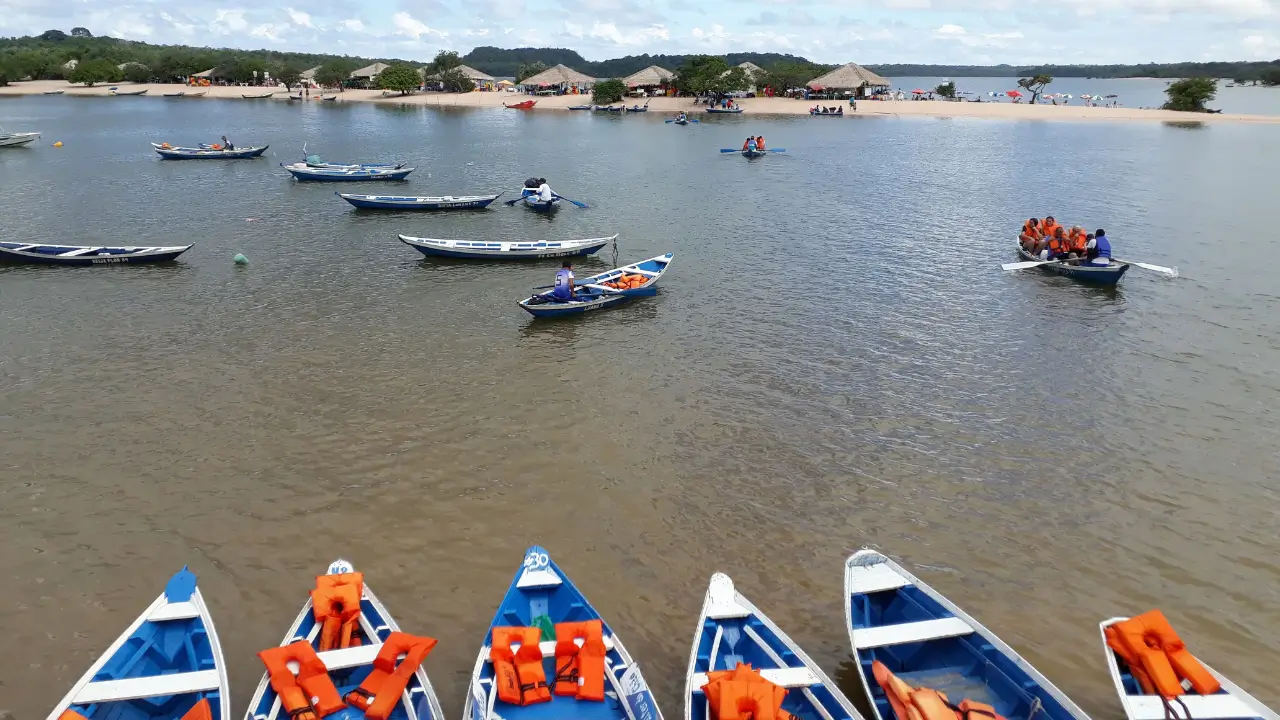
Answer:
(559, 75)
(369, 72)
(310, 74)
(649, 77)
(206, 74)
(848, 77)
(752, 70)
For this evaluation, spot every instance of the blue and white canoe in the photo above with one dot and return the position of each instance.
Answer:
(517, 250)
(413, 202)
(1231, 703)
(306, 173)
(164, 664)
(530, 197)
(591, 295)
(541, 596)
(210, 153)
(928, 641)
(730, 631)
(45, 254)
(348, 667)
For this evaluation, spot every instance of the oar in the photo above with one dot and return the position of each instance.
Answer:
(512, 201)
(573, 202)
(772, 150)
(1171, 272)
(1032, 263)
(729, 150)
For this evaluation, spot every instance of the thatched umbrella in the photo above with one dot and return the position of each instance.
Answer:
(559, 75)
(649, 77)
(848, 77)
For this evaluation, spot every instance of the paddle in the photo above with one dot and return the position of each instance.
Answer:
(772, 150)
(512, 201)
(573, 202)
(1032, 263)
(1171, 272)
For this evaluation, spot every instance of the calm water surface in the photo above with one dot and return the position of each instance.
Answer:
(836, 360)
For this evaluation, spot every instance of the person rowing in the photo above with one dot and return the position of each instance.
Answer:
(563, 288)
(1098, 250)
(226, 144)
(749, 143)
(544, 191)
(681, 117)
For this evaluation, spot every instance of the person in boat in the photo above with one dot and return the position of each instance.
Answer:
(1098, 249)
(839, 110)
(563, 287)
(226, 144)
(1057, 246)
(1030, 236)
(544, 191)
(1048, 228)
(1077, 243)
(748, 143)
(760, 143)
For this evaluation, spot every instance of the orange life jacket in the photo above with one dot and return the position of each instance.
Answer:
(335, 602)
(1077, 242)
(1158, 658)
(760, 143)
(580, 670)
(745, 144)
(1047, 229)
(381, 690)
(519, 677)
(742, 694)
(200, 711)
(1057, 244)
(910, 703)
(1031, 231)
(310, 694)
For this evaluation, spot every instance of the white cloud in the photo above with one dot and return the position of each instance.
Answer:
(949, 31)
(230, 21)
(573, 30)
(610, 33)
(351, 25)
(183, 28)
(268, 31)
(1260, 46)
(482, 32)
(410, 26)
(299, 18)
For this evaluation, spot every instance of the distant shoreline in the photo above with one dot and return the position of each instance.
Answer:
(667, 105)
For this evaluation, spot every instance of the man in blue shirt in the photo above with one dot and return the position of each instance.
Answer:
(563, 291)
(1099, 249)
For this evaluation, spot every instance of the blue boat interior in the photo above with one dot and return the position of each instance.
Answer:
(349, 679)
(964, 667)
(61, 249)
(159, 648)
(748, 640)
(536, 600)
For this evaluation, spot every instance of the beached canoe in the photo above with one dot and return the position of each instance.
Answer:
(126, 93)
(813, 113)
(929, 642)
(17, 139)
(579, 107)
(731, 631)
(593, 294)
(724, 111)
(174, 95)
(53, 92)
(637, 109)
(1108, 275)
(257, 96)
(306, 173)
(542, 606)
(373, 633)
(210, 153)
(413, 202)
(1231, 703)
(517, 250)
(526, 105)
(165, 665)
(45, 254)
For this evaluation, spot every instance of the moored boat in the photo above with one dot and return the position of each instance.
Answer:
(1227, 702)
(568, 660)
(638, 108)
(126, 93)
(174, 95)
(838, 113)
(900, 627)
(210, 153)
(257, 96)
(607, 289)
(579, 107)
(329, 98)
(202, 93)
(8, 139)
(411, 202)
(343, 644)
(724, 111)
(502, 250)
(526, 105)
(167, 665)
(47, 254)
(308, 173)
(732, 633)
(53, 92)
(1099, 275)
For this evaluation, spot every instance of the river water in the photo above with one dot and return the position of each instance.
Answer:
(836, 360)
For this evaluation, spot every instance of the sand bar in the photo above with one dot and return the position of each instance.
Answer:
(664, 105)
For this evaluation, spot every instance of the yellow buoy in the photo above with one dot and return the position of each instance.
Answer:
(58, 144)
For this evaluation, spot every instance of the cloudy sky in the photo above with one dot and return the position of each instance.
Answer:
(832, 31)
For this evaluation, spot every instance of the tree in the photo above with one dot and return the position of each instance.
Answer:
(401, 77)
(137, 73)
(946, 90)
(91, 72)
(528, 70)
(1035, 85)
(455, 81)
(1191, 94)
(53, 36)
(1270, 76)
(7, 73)
(288, 75)
(608, 91)
(81, 32)
(785, 76)
(334, 73)
(445, 60)
(706, 74)
(242, 69)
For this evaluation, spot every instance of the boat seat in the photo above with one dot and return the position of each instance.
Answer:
(174, 611)
(913, 632)
(145, 687)
(548, 648)
(791, 677)
(1202, 707)
(81, 251)
(350, 657)
(867, 579)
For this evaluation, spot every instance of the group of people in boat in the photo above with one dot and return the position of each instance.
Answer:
(1048, 240)
(755, 144)
(539, 187)
(823, 110)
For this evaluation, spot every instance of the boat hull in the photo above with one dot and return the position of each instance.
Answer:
(164, 664)
(590, 299)
(542, 595)
(202, 154)
(18, 139)
(928, 641)
(481, 250)
(1109, 275)
(753, 153)
(526, 105)
(723, 111)
(818, 114)
(731, 630)
(531, 201)
(351, 174)
(407, 202)
(376, 624)
(87, 255)
(680, 122)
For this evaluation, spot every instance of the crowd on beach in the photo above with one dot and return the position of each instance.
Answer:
(1048, 240)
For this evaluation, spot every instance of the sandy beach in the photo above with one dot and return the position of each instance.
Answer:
(664, 105)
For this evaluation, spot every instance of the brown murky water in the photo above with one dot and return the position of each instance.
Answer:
(836, 361)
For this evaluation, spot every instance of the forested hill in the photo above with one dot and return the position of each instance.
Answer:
(502, 62)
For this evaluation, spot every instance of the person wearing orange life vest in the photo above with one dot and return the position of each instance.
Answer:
(1077, 243)
(1048, 228)
(1030, 234)
(760, 143)
(1056, 246)
(748, 143)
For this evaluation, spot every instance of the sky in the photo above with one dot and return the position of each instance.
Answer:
(828, 31)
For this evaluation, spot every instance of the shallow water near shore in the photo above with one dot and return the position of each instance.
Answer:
(835, 360)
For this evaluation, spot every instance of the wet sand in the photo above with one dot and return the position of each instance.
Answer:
(756, 106)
